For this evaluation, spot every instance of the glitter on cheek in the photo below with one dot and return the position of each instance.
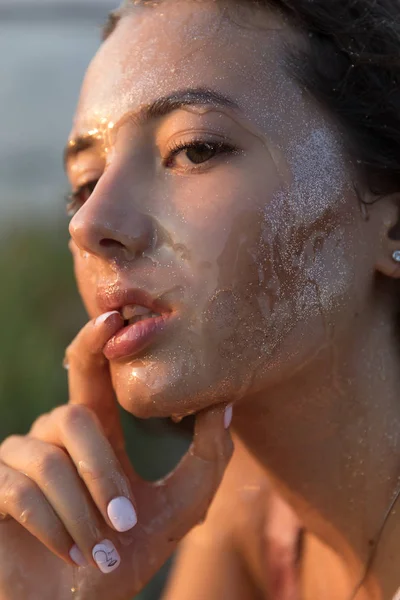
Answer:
(308, 262)
(318, 171)
(308, 213)
(305, 252)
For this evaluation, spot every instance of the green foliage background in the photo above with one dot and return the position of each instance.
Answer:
(40, 313)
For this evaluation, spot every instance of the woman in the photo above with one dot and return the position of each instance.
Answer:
(235, 181)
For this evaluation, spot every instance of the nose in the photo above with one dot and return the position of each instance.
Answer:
(110, 225)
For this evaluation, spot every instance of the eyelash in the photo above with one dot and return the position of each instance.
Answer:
(219, 147)
(74, 200)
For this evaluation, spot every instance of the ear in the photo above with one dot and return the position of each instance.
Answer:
(386, 263)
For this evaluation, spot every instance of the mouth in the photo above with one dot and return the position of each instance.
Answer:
(142, 326)
(134, 313)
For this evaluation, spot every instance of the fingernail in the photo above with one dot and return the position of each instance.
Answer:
(106, 556)
(228, 416)
(103, 318)
(122, 514)
(77, 556)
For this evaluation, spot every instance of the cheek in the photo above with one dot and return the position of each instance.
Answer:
(236, 315)
(280, 291)
(309, 291)
(309, 274)
(222, 223)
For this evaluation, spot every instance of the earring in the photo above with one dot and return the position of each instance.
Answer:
(396, 256)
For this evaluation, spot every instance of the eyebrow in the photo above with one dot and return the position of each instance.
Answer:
(110, 25)
(77, 145)
(155, 110)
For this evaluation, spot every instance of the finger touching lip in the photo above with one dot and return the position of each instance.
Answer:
(90, 341)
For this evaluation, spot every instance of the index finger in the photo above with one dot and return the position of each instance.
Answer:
(89, 376)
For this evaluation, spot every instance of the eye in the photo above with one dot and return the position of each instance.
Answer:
(188, 155)
(78, 197)
(200, 153)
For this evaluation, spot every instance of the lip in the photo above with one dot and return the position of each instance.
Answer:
(133, 339)
(112, 298)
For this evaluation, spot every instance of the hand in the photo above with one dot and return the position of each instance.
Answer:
(70, 484)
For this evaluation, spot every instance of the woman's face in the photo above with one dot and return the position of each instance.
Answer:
(224, 202)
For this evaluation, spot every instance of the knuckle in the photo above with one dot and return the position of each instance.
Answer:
(70, 352)
(71, 415)
(69, 356)
(51, 464)
(20, 494)
(10, 443)
(57, 413)
(40, 421)
(97, 474)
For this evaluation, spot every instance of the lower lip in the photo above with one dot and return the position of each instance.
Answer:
(132, 339)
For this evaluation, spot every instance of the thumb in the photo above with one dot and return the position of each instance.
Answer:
(184, 497)
(89, 377)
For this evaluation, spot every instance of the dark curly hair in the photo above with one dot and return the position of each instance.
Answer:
(352, 66)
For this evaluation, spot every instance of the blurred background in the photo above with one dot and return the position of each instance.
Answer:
(45, 47)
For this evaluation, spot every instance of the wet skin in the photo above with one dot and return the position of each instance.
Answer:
(229, 245)
(254, 239)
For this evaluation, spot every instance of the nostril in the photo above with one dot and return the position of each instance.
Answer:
(109, 243)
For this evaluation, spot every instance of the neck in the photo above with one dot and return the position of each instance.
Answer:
(330, 439)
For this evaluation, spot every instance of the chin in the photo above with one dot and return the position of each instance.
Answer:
(150, 389)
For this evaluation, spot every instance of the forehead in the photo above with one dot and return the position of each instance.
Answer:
(180, 44)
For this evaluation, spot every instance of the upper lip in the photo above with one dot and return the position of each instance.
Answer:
(112, 298)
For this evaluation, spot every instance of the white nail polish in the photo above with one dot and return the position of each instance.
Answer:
(106, 556)
(77, 556)
(102, 318)
(122, 514)
(228, 416)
